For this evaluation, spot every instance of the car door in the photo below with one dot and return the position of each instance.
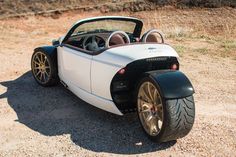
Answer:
(74, 67)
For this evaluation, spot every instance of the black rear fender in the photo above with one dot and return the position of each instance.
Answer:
(50, 50)
(173, 84)
(123, 87)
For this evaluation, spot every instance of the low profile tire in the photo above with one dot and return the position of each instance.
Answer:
(163, 120)
(44, 68)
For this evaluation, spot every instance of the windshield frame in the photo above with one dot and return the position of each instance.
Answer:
(136, 33)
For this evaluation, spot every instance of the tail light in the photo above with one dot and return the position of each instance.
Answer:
(121, 71)
(174, 66)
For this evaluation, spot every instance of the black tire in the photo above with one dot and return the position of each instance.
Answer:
(178, 116)
(51, 63)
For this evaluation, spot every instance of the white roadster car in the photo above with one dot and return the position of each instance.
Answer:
(106, 62)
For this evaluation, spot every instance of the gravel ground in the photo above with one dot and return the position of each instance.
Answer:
(37, 121)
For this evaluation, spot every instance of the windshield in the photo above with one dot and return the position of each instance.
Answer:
(108, 25)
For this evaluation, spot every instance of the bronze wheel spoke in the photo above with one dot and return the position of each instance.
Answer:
(150, 108)
(45, 59)
(41, 76)
(47, 73)
(155, 96)
(153, 127)
(37, 57)
(143, 92)
(159, 124)
(145, 110)
(41, 57)
(149, 91)
(144, 101)
(36, 63)
(149, 118)
(38, 73)
(41, 67)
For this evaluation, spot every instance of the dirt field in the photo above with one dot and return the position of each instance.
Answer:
(13, 7)
(37, 121)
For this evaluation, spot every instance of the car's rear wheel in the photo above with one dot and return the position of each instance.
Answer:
(44, 68)
(163, 120)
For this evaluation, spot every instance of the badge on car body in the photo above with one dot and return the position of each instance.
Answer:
(152, 50)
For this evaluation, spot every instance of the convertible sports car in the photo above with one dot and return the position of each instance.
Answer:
(106, 62)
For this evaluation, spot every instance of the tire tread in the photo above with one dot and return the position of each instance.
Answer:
(179, 117)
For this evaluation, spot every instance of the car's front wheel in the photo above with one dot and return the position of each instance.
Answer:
(163, 120)
(44, 68)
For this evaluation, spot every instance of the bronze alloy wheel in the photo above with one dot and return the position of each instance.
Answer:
(41, 67)
(150, 108)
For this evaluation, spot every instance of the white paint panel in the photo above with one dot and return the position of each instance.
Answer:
(123, 55)
(63, 72)
(92, 99)
(74, 70)
(101, 77)
(75, 66)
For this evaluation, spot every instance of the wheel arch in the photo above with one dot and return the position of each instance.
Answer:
(50, 50)
(173, 84)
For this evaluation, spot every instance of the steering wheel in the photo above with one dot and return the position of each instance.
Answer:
(127, 40)
(148, 33)
(93, 43)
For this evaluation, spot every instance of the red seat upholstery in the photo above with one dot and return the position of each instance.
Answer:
(152, 38)
(116, 40)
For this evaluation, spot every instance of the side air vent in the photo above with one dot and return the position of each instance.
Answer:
(156, 59)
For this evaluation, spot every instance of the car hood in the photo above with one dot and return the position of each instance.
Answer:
(123, 55)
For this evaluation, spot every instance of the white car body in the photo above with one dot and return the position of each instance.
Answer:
(106, 62)
(89, 77)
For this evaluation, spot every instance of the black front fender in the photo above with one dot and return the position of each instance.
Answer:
(50, 50)
(173, 84)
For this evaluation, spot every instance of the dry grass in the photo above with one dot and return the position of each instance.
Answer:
(202, 50)
(229, 45)
(197, 31)
(178, 32)
(180, 49)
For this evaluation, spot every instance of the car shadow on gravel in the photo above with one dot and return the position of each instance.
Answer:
(56, 111)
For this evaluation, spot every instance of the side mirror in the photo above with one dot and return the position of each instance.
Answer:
(55, 42)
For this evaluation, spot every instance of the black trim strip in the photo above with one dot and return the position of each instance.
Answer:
(102, 50)
(92, 53)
